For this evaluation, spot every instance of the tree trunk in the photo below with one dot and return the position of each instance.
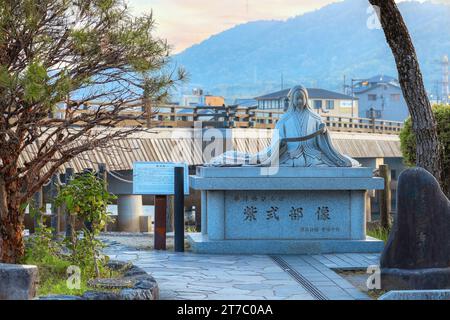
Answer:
(428, 152)
(11, 227)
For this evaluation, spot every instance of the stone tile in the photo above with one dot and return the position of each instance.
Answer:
(301, 297)
(190, 276)
(193, 296)
(276, 276)
(232, 291)
(335, 293)
(267, 293)
(253, 286)
(233, 297)
(289, 290)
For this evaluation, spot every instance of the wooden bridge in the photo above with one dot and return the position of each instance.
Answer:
(174, 116)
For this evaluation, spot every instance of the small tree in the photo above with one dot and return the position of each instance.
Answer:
(409, 143)
(82, 52)
(86, 199)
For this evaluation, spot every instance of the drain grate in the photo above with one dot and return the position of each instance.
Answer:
(305, 283)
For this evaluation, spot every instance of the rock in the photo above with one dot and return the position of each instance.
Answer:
(121, 283)
(136, 294)
(97, 295)
(134, 271)
(60, 298)
(147, 283)
(135, 285)
(145, 288)
(18, 282)
(417, 255)
(119, 265)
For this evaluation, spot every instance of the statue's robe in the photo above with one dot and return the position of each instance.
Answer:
(315, 152)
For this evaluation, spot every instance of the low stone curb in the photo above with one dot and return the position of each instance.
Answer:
(417, 295)
(135, 285)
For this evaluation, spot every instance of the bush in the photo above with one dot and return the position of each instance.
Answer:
(86, 198)
(408, 142)
(47, 254)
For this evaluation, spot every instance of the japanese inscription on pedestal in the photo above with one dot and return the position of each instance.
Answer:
(274, 213)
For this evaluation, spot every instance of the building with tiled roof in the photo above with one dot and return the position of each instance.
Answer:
(322, 101)
(381, 97)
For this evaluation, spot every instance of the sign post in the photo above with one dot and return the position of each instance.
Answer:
(179, 209)
(158, 179)
(160, 222)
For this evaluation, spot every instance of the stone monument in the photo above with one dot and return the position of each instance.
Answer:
(298, 196)
(417, 255)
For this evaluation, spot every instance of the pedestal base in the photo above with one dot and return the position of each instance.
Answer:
(201, 244)
(291, 211)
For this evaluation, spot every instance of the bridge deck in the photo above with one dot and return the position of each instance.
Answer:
(182, 145)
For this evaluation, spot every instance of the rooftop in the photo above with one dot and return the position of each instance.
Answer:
(375, 81)
(314, 93)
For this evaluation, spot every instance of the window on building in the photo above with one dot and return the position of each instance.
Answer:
(330, 104)
(318, 104)
(372, 113)
(372, 97)
(395, 97)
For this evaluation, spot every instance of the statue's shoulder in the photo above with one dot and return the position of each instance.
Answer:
(282, 121)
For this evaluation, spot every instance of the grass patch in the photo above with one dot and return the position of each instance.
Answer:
(358, 278)
(379, 233)
(53, 276)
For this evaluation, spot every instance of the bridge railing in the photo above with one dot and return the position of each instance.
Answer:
(174, 116)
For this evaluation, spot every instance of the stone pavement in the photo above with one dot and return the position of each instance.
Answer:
(189, 276)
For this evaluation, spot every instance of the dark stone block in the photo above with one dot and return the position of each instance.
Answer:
(417, 255)
(119, 265)
(417, 279)
(18, 282)
(96, 295)
(134, 271)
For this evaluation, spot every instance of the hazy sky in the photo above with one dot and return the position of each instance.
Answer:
(186, 22)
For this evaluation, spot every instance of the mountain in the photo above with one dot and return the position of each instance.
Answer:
(315, 49)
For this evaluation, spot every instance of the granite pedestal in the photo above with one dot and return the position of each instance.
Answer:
(247, 210)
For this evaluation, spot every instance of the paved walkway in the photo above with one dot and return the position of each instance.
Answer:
(191, 276)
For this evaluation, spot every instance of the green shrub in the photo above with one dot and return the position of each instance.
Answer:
(86, 198)
(408, 142)
(89, 198)
(46, 253)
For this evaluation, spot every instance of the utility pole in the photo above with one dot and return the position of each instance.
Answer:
(345, 85)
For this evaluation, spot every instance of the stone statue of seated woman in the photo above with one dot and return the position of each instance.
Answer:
(300, 139)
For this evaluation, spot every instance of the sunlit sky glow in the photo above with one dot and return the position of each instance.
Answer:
(187, 22)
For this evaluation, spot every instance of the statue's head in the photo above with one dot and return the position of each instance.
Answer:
(298, 98)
